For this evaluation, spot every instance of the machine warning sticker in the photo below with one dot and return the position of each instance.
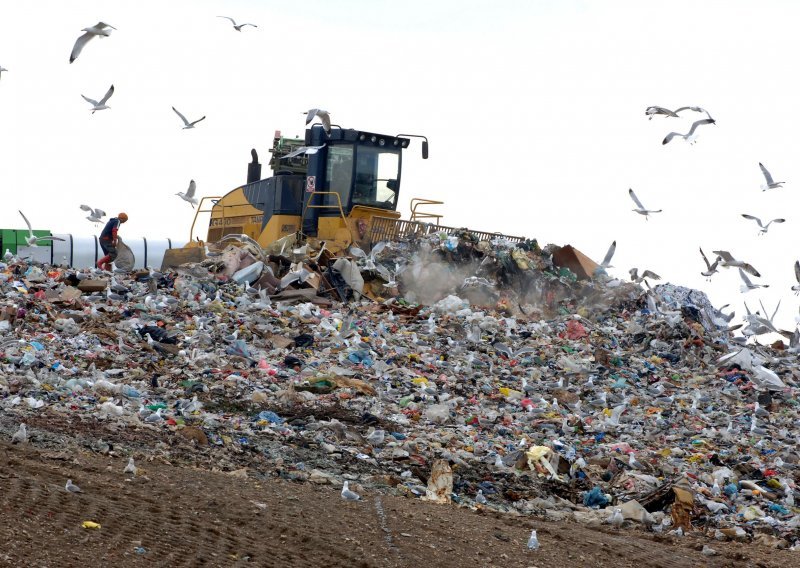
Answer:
(311, 183)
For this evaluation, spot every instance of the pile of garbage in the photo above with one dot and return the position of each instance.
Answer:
(485, 374)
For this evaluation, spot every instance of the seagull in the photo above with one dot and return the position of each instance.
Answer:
(189, 195)
(302, 150)
(609, 255)
(504, 349)
(651, 111)
(348, 495)
(186, 123)
(634, 272)
(2, 69)
(728, 261)
(479, 498)
(695, 109)
(32, 239)
(99, 29)
(748, 285)
(8, 256)
(237, 27)
(711, 268)
(689, 135)
(764, 228)
(21, 435)
(616, 519)
(323, 115)
(95, 215)
(101, 105)
(641, 208)
(72, 488)
(771, 184)
(796, 287)
(130, 468)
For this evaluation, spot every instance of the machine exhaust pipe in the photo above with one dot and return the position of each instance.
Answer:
(253, 168)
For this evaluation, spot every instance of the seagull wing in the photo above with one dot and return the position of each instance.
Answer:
(293, 153)
(750, 269)
(107, 96)
(311, 114)
(700, 123)
(102, 25)
(99, 213)
(670, 136)
(635, 199)
(248, 24)
(797, 270)
(767, 175)
(745, 279)
(650, 274)
(228, 18)
(775, 221)
(49, 239)
(191, 190)
(609, 254)
(183, 118)
(86, 208)
(198, 120)
(90, 101)
(30, 229)
(708, 265)
(776, 311)
(78, 47)
(326, 119)
(726, 256)
(753, 218)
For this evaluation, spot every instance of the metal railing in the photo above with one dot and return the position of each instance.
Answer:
(337, 206)
(420, 215)
(388, 229)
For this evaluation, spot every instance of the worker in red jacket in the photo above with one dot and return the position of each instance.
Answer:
(108, 241)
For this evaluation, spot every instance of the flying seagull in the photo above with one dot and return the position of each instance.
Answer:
(796, 287)
(186, 123)
(641, 208)
(189, 195)
(711, 269)
(634, 272)
(323, 115)
(237, 27)
(100, 105)
(764, 227)
(748, 285)
(771, 184)
(690, 136)
(2, 69)
(302, 150)
(609, 255)
(95, 215)
(654, 110)
(32, 239)
(728, 261)
(695, 109)
(99, 29)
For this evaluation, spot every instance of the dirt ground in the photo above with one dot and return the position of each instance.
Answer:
(185, 514)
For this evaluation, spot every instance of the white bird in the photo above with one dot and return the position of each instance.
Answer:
(771, 184)
(652, 111)
(533, 541)
(796, 287)
(323, 115)
(634, 272)
(748, 285)
(641, 209)
(237, 27)
(711, 269)
(8, 256)
(189, 195)
(728, 261)
(2, 69)
(504, 349)
(479, 498)
(616, 519)
(186, 123)
(764, 228)
(72, 488)
(31, 239)
(21, 435)
(95, 215)
(302, 150)
(690, 136)
(99, 29)
(348, 495)
(130, 468)
(101, 104)
(609, 255)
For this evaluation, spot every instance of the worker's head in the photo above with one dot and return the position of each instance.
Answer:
(122, 217)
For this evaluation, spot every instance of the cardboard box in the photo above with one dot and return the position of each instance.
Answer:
(92, 285)
(569, 257)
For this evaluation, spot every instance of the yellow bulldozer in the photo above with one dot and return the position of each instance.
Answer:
(340, 187)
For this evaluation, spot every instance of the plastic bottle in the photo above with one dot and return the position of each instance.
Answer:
(533, 541)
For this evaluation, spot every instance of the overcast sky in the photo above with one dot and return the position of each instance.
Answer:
(534, 111)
